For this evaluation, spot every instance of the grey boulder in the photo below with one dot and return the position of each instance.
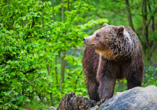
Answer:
(138, 98)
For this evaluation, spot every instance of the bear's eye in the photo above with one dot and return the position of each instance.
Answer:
(97, 35)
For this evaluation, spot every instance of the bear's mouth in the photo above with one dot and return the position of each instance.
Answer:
(88, 44)
(91, 44)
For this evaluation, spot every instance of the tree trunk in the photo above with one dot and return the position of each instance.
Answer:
(145, 26)
(56, 57)
(62, 69)
(62, 11)
(48, 66)
(56, 68)
(129, 14)
(152, 17)
(68, 6)
(63, 56)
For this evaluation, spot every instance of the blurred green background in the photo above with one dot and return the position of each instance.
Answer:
(41, 46)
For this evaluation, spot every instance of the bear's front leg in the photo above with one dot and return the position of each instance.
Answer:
(92, 87)
(106, 88)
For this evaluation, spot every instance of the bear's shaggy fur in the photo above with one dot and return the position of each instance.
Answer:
(112, 52)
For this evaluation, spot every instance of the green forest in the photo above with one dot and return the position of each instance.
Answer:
(41, 46)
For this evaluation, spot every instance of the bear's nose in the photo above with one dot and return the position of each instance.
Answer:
(84, 39)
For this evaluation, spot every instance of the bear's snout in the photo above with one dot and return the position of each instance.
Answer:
(88, 41)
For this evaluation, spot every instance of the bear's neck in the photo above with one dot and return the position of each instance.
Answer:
(108, 54)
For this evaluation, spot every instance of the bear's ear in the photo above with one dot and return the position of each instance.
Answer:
(120, 30)
(105, 24)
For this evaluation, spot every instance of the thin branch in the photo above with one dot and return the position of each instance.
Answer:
(29, 71)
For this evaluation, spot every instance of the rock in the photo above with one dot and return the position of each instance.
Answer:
(94, 108)
(72, 102)
(138, 98)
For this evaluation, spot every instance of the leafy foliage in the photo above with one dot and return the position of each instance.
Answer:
(30, 41)
(150, 75)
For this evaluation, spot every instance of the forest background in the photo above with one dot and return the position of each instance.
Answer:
(41, 46)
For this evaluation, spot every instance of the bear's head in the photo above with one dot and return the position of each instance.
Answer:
(103, 38)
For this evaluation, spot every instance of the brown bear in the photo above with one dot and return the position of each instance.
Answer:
(112, 52)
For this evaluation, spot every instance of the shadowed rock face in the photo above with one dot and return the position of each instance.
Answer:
(138, 98)
(72, 102)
